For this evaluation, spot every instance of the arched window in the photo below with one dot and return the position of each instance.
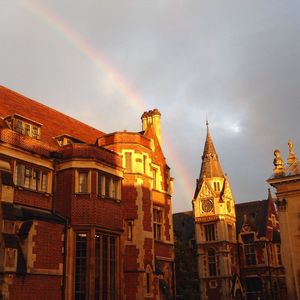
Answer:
(212, 262)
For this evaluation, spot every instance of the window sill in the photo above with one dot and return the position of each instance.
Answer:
(21, 188)
(109, 199)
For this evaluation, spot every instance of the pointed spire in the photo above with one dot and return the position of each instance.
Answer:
(211, 166)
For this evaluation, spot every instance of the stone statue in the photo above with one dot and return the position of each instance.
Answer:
(292, 157)
(278, 162)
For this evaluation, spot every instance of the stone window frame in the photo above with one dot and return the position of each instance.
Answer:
(158, 223)
(32, 177)
(77, 180)
(108, 186)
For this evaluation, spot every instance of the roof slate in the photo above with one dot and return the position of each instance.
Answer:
(54, 122)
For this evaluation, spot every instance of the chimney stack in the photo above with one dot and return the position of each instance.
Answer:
(152, 118)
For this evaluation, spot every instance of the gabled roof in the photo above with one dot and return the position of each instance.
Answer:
(54, 122)
(256, 213)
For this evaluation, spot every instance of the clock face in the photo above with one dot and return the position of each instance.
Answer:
(228, 204)
(207, 205)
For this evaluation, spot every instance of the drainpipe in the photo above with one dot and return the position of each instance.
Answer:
(66, 225)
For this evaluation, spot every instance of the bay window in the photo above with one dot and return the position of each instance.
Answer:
(31, 177)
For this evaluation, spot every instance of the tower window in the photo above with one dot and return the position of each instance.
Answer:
(212, 262)
(217, 186)
(209, 230)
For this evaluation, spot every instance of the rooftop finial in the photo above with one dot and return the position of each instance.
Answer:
(206, 122)
(292, 157)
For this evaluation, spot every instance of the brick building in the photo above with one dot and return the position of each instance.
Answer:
(84, 214)
(236, 246)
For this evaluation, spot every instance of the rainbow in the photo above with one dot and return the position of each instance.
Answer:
(104, 65)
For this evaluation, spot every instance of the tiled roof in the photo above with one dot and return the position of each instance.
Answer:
(257, 215)
(54, 122)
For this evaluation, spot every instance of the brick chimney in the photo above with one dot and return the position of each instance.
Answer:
(152, 118)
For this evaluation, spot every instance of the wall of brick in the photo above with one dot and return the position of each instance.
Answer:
(48, 245)
(35, 287)
(31, 198)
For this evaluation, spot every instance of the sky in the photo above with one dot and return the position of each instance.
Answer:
(235, 63)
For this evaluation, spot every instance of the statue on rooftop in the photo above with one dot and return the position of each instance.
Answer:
(278, 162)
(292, 156)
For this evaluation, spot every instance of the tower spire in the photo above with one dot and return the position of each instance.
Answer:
(210, 166)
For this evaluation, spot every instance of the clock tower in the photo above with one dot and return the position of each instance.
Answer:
(214, 213)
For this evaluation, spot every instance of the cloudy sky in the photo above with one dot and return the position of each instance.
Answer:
(234, 62)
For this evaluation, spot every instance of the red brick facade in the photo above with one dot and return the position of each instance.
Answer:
(77, 221)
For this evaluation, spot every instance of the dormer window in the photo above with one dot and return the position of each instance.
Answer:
(24, 125)
(67, 139)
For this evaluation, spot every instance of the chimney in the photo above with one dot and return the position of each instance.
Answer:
(152, 118)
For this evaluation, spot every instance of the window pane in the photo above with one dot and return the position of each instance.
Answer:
(27, 177)
(35, 132)
(27, 129)
(44, 182)
(19, 127)
(35, 180)
(209, 232)
(100, 184)
(20, 174)
(114, 188)
(112, 256)
(97, 265)
(107, 187)
(105, 268)
(83, 182)
(80, 266)
(212, 265)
